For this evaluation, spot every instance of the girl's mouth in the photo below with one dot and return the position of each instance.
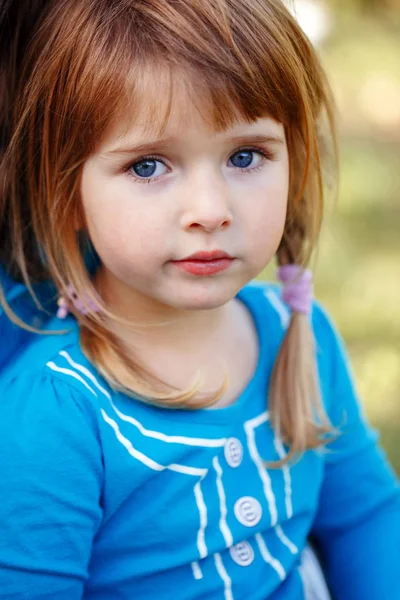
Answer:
(205, 263)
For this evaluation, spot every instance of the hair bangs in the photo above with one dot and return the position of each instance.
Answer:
(148, 100)
(153, 54)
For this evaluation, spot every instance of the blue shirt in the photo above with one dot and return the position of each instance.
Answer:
(104, 497)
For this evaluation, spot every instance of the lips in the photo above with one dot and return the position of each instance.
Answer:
(208, 255)
(205, 263)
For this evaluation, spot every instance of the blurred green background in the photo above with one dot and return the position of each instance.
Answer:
(358, 264)
(358, 270)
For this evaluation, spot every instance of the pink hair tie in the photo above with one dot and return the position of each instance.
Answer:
(84, 305)
(297, 287)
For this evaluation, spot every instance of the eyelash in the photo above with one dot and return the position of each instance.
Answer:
(267, 155)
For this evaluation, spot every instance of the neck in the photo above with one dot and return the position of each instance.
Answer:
(178, 346)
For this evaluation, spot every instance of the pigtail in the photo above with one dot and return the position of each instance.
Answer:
(296, 406)
(297, 411)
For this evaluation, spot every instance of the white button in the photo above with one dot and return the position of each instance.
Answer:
(248, 511)
(233, 452)
(242, 554)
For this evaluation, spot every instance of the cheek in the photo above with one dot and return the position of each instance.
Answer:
(266, 209)
(265, 236)
(265, 216)
(123, 231)
(122, 244)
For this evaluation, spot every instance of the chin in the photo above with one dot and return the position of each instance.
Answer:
(205, 297)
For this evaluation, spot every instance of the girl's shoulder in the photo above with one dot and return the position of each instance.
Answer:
(26, 357)
(49, 425)
(43, 376)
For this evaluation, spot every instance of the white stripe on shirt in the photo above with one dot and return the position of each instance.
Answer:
(149, 462)
(265, 478)
(201, 545)
(275, 564)
(70, 373)
(226, 532)
(286, 476)
(224, 576)
(279, 306)
(197, 572)
(170, 439)
(285, 540)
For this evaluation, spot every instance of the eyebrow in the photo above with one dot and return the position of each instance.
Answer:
(242, 140)
(164, 144)
(142, 148)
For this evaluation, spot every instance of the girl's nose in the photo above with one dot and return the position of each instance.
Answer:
(207, 205)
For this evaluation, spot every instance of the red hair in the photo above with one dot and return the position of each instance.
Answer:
(85, 61)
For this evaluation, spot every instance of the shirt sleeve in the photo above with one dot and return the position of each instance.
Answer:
(50, 478)
(357, 525)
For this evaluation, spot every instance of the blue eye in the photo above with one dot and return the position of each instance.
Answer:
(147, 168)
(243, 159)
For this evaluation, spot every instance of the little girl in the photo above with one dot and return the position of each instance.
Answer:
(170, 429)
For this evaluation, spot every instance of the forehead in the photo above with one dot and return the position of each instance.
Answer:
(163, 101)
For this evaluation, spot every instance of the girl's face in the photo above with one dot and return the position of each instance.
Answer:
(150, 202)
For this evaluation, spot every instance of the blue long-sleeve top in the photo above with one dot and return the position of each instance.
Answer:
(104, 497)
